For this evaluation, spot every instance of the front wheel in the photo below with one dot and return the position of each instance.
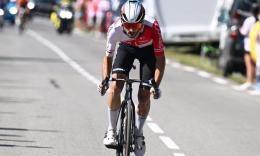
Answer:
(127, 129)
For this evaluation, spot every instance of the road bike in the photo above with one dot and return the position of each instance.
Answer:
(126, 118)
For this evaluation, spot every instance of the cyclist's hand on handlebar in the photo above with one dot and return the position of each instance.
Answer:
(156, 92)
(103, 87)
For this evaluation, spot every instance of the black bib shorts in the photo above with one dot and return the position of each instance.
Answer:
(126, 54)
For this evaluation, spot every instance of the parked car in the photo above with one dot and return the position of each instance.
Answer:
(231, 43)
(44, 7)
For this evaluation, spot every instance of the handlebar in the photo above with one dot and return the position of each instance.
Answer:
(149, 83)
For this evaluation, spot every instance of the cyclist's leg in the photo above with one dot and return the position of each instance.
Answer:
(147, 68)
(143, 109)
(121, 67)
(113, 110)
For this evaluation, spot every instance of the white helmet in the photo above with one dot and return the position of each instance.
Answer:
(132, 12)
(132, 17)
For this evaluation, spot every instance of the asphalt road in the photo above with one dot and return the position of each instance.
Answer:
(49, 105)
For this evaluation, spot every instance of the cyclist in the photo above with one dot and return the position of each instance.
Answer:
(24, 12)
(22, 4)
(139, 37)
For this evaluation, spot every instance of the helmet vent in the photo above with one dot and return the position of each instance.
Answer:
(124, 18)
(140, 17)
(132, 12)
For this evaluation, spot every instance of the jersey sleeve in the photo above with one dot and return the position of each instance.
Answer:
(111, 41)
(157, 40)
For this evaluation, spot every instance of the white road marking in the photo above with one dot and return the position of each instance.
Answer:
(169, 143)
(178, 154)
(204, 74)
(189, 69)
(220, 80)
(64, 57)
(155, 128)
(175, 65)
(207, 75)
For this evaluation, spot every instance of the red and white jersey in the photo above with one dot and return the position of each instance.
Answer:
(151, 34)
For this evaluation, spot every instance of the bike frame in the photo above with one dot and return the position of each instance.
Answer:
(125, 117)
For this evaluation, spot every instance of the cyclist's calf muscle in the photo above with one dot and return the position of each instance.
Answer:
(143, 107)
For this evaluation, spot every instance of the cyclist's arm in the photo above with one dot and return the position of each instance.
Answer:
(159, 69)
(110, 48)
(159, 53)
(106, 67)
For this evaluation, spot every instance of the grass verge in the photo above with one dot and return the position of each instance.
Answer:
(203, 63)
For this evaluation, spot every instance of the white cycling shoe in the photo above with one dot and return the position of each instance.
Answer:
(139, 146)
(110, 138)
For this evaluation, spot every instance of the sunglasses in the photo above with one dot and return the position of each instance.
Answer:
(133, 26)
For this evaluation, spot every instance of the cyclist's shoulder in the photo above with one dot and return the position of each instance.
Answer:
(116, 25)
(150, 21)
(115, 30)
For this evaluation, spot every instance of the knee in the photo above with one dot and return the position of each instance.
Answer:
(115, 89)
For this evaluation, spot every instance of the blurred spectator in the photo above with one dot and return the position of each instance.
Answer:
(249, 63)
(114, 5)
(81, 13)
(117, 4)
(96, 10)
(255, 52)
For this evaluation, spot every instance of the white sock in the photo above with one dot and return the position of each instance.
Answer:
(139, 123)
(112, 116)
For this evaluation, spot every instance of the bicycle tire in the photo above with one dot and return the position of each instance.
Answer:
(128, 129)
(120, 136)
